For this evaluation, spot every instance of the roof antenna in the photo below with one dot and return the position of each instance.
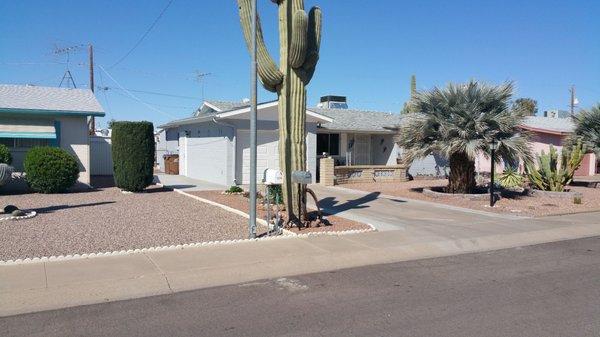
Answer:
(67, 77)
(199, 77)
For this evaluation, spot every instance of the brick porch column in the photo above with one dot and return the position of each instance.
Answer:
(326, 175)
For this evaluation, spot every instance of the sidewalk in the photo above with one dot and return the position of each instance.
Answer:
(38, 286)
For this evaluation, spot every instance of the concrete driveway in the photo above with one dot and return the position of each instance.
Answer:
(395, 213)
(186, 184)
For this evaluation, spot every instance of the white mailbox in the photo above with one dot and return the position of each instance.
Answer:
(272, 177)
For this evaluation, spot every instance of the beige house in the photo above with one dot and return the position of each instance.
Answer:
(45, 116)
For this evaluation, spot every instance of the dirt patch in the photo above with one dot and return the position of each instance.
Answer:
(516, 204)
(242, 203)
(104, 220)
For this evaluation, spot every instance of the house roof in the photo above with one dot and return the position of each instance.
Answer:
(549, 124)
(204, 114)
(48, 100)
(359, 120)
(226, 105)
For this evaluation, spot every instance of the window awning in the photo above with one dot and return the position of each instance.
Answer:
(27, 129)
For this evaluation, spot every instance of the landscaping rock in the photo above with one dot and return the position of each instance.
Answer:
(18, 212)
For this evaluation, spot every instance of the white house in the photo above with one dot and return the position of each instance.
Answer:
(46, 116)
(213, 145)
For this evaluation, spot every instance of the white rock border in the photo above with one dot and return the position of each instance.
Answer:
(26, 216)
(287, 235)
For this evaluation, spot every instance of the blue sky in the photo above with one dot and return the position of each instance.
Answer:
(369, 49)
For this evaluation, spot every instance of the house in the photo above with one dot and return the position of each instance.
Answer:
(213, 144)
(546, 131)
(46, 116)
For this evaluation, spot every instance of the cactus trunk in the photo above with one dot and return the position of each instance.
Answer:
(299, 43)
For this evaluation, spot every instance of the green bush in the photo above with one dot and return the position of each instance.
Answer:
(50, 169)
(511, 178)
(5, 156)
(235, 189)
(133, 155)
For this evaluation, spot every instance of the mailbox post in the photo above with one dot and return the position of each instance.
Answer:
(302, 178)
(272, 177)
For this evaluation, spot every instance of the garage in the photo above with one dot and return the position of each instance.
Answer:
(267, 153)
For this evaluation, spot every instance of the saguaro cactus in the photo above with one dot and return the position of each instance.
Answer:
(299, 39)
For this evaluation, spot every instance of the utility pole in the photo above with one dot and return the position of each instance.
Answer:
(91, 56)
(572, 90)
(253, 90)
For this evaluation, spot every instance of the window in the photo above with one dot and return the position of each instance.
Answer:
(329, 143)
(26, 142)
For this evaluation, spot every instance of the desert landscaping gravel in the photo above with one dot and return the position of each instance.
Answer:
(239, 202)
(108, 220)
(523, 205)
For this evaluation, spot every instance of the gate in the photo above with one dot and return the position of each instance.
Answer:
(101, 156)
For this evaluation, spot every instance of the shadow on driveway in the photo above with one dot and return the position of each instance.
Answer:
(51, 209)
(332, 206)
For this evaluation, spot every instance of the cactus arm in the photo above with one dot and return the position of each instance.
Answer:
(269, 73)
(313, 43)
(298, 40)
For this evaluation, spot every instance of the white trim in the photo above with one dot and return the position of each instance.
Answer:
(211, 106)
(261, 106)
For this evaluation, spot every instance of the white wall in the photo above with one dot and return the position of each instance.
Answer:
(74, 137)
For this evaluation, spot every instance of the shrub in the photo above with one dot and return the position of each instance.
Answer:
(275, 194)
(235, 189)
(50, 169)
(510, 178)
(133, 154)
(553, 174)
(5, 156)
(577, 200)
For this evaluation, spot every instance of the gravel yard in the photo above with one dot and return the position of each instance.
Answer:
(242, 203)
(522, 205)
(107, 220)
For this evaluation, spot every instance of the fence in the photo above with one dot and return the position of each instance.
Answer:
(101, 156)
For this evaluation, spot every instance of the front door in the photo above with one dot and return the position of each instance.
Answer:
(359, 146)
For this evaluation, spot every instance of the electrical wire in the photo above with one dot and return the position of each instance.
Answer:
(154, 93)
(144, 35)
(133, 96)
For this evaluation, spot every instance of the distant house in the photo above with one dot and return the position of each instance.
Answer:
(548, 131)
(45, 116)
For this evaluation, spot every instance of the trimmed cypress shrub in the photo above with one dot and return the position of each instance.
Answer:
(133, 154)
(50, 169)
(5, 156)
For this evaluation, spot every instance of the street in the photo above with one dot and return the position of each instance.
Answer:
(545, 290)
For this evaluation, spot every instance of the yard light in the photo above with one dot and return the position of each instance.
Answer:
(493, 146)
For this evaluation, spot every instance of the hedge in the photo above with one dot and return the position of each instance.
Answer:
(5, 156)
(133, 154)
(50, 169)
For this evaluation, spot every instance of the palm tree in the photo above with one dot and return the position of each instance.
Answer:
(459, 122)
(587, 128)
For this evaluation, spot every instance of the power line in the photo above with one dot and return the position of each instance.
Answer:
(152, 93)
(144, 35)
(133, 96)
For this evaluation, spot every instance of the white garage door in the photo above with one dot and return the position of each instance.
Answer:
(267, 154)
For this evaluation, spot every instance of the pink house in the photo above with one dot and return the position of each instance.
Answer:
(546, 131)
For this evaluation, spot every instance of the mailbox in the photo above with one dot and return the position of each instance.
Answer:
(301, 177)
(272, 177)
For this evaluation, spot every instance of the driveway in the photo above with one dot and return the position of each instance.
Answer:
(395, 213)
(186, 184)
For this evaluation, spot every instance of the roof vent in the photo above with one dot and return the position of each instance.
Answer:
(333, 102)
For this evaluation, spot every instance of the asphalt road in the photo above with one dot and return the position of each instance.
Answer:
(545, 290)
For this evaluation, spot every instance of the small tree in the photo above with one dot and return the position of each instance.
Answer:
(587, 129)
(527, 106)
(459, 122)
(133, 150)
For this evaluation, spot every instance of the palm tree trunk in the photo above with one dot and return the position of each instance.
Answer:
(462, 174)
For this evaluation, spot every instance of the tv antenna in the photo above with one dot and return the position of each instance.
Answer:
(199, 77)
(67, 51)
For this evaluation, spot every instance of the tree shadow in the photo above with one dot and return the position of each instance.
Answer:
(332, 206)
(52, 209)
